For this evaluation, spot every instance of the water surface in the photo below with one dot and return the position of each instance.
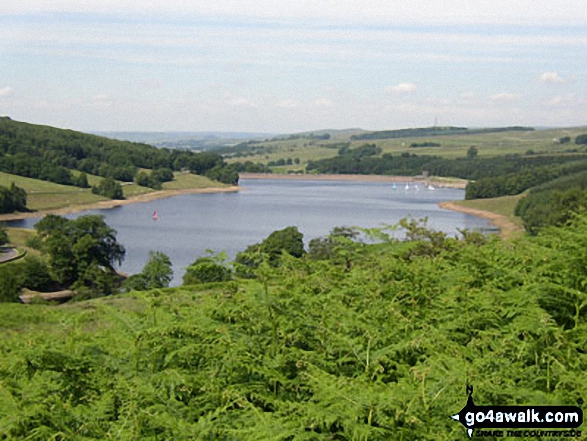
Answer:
(188, 225)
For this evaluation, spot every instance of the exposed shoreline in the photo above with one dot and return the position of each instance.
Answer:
(439, 182)
(505, 226)
(102, 205)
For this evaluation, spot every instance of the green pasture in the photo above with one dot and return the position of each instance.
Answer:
(488, 144)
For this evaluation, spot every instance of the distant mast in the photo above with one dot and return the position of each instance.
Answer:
(155, 215)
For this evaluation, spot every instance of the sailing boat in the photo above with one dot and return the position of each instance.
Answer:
(407, 186)
(394, 186)
(431, 187)
(155, 215)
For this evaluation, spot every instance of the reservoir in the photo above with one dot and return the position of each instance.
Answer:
(188, 225)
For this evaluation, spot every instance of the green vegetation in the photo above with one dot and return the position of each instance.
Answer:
(80, 253)
(109, 188)
(4, 238)
(207, 270)
(369, 342)
(528, 176)
(554, 203)
(50, 154)
(156, 273)
(581, 139)
(503, 205)
(490, 142)
(12, 199)
(434, 131)
(182, 181)
(424, 144)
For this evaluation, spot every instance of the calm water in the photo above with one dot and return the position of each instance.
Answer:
(189, 225)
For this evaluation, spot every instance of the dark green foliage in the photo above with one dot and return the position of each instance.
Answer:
(147, 180)
(581, 139)
(516, 183)
(11, 282)
(250, 167)
(554, 202)
(564, 140)
(12, 199)
(424, 144)
(36, 275)
(81, 251)
(225, 174)
(205, 270)
(4, 239)
(162, 174)
(434, 131)
(81, 181)
(109, 188)
(48, 153)
(289, 240)
(157, 273)
(472, 152)
(465, 168)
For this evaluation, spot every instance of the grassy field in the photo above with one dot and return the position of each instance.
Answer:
(19, 236)
(489, 144)
(184, 181)
(504, 206)
(42, 195)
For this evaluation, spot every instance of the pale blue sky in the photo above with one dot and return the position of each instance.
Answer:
(278, 67)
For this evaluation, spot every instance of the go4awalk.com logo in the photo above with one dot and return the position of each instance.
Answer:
(519, 421)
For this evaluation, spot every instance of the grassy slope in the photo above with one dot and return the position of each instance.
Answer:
(504, 205)
(490, 144)
(42, 195)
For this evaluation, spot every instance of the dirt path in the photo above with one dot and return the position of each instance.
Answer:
(7, 254)
(506, 227)
(117, 203)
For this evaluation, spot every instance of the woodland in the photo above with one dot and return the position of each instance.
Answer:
(50, 154)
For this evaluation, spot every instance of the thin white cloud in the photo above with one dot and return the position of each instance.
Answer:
(505, 97)
(402, 88)
(323, 102)
(554, 77)
(6, 91)
(570, 100)
(287, 104)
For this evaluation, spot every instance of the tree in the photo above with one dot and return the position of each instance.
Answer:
(288, 240)
(157, 273)
(109, 188)
(12, 199)
(472, 152)
(581, 139)
(3, 235)
(205, 270)
(79, 248)
(82, 181)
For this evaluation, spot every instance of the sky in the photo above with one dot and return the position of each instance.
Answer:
(290, 66)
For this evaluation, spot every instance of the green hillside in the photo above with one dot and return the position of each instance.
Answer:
(377, 342)
(490, 142)
(51, 154)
